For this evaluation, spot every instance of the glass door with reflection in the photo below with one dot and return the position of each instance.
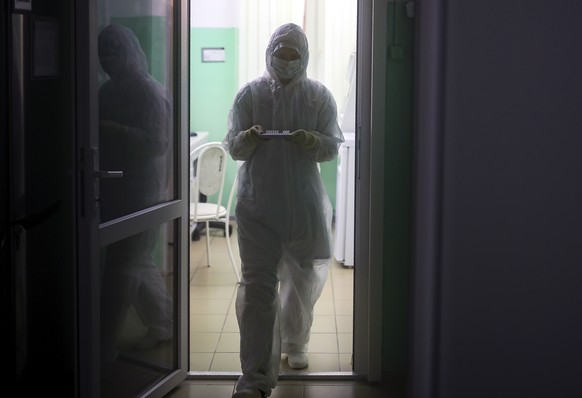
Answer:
(138, 201)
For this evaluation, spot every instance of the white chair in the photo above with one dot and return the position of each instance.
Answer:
(207, 177)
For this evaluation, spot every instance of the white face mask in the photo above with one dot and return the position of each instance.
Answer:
(286, 70)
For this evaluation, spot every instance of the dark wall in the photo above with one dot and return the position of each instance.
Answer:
(398, 122)
(38, 246)
(509, 320)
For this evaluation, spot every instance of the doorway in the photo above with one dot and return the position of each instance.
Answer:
(214, 340)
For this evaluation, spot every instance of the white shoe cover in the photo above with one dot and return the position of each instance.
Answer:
(297, 360)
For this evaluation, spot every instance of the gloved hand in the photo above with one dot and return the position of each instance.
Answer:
(304, 138)
(254, 134)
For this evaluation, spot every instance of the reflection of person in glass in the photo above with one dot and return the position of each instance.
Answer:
(283, 212)
(134, 131)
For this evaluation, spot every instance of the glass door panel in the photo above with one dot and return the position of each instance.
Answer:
(138, 344)
(136, 174)
(136, 223)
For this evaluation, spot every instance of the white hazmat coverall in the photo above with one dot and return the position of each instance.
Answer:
(283, 212)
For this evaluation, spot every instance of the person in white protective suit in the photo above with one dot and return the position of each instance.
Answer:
(283, 212)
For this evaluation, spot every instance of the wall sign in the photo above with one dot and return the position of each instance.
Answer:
(213, 54)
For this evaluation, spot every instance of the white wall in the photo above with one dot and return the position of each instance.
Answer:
(213, 14)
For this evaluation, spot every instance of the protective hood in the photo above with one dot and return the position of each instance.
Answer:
(292, 36)
(120, 53)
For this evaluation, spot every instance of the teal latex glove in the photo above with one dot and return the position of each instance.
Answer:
(304, 138)
(254, 134)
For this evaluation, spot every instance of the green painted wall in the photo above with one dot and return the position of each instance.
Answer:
(213, 86)
(395, 345)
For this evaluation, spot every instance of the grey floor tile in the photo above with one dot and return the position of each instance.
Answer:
(199, 390)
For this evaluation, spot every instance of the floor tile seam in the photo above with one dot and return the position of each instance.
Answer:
(212, 360)
(335, 320)
(194, 271)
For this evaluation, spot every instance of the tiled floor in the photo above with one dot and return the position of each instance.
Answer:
(214, 337)
(289, 389)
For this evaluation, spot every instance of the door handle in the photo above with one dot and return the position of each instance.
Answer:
(109, 174)
(103, 173)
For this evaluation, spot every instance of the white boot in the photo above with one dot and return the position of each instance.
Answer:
(297, 360)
